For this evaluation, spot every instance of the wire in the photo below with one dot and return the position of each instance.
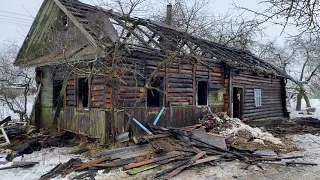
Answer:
(12, 23)
(15, 20)
(27, 11)
(16, 17)
(15, 13)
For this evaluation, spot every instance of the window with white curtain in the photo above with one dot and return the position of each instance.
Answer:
(257, 97)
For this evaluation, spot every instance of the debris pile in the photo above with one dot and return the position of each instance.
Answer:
(171, 150)
(166, 151)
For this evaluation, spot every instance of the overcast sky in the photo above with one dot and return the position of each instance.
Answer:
(16, 17)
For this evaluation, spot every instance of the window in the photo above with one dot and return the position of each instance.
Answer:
(154, 96)
(202, 93)
(83, 92)
(57, 87)
(64, 20)
(257, 97)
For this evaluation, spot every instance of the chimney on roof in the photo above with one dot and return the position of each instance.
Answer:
(169, 14)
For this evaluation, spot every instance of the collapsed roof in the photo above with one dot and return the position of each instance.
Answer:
(139, 33)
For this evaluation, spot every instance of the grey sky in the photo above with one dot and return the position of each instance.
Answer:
(15, 27)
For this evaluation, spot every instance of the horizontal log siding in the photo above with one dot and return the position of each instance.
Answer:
(71, 98)
(131, 83)
(100, 95)
(271, 93)
(179, 84)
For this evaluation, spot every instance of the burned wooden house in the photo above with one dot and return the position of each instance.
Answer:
(95, 67)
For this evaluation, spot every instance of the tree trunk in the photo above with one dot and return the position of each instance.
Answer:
(299, 98)
(21, 116)
(306, 99)
(302, 94)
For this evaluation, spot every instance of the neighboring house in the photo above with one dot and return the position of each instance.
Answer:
(73, 45)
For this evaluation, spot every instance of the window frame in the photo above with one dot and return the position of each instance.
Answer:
(257, 97)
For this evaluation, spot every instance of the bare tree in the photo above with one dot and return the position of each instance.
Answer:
(280, 56)
(13, 79)
(195, 18)
(307, 54)
(298, 57)
(302, 14)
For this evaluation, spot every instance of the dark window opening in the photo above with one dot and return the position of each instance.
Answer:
(57, 87)
(65, 21)
(83, 92)
(202, 93)
(154, 95)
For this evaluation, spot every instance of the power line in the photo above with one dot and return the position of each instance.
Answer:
(12, 23)
(27, 11)
(14, 20)
(16, 17)
(16, 13)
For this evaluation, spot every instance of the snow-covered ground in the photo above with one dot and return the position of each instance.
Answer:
(315, 103)
(48, 158)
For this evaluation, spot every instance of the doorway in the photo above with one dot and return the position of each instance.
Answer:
(238, 102)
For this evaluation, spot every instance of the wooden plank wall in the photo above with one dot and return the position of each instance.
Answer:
(271, 92)
(177, 116)
(91, 123)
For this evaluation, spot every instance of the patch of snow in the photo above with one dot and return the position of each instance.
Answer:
(48, 158)
(6, 165)
(238, 125)
(258, 141)
(113, 174)
(315, 103)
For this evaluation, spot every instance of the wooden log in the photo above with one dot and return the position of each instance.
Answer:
(153, 165)
(189, 163)
(86, 165)
(207, 159)
(135, 165)
(18, 164)
(173, 167)
(116, 163)
(180, 90)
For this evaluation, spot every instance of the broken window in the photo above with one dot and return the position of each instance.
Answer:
(257, 97)
(83, 92)
(202, 93)
(57, 87)
(154, 95)
(64, 20)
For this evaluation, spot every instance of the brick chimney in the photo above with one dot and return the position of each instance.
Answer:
(169, 14)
